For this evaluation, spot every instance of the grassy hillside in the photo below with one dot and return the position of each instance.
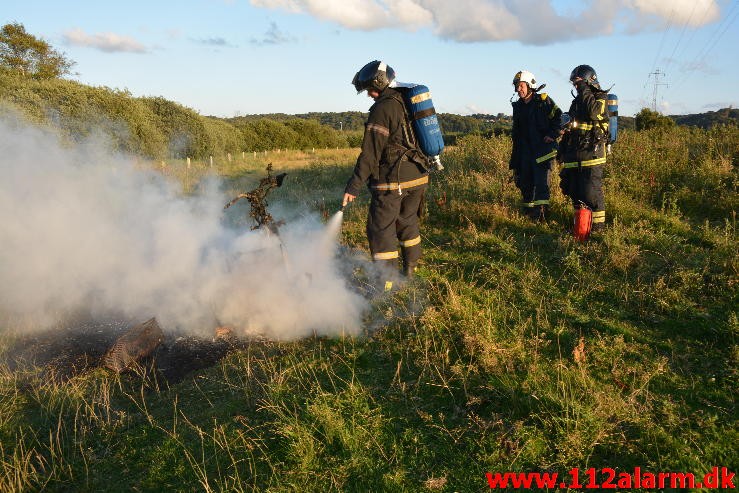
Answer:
(153, 126)
(516, 349)
(724, 116)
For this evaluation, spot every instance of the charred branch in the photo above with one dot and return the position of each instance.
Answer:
(258, 200)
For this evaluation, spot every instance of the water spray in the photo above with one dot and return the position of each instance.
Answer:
(333, 227)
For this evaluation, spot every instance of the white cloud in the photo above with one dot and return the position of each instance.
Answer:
(694, 13)
(528, 21)
(107, 42)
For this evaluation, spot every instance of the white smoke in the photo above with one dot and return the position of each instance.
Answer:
(528, 21)
(82, 229)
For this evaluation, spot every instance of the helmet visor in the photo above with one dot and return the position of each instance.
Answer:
(358, 85)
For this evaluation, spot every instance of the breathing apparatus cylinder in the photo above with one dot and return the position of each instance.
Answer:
(425, 123)
(613, 117)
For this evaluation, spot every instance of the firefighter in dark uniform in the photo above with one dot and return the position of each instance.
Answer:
(536, 128)
(394, 169)
(583, 148)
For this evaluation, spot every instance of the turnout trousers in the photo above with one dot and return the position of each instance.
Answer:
(395, 218)
(584, 185)
(533, 182)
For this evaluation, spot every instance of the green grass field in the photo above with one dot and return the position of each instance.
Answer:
(516, 349)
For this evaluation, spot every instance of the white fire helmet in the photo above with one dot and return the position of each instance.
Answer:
(525, 76)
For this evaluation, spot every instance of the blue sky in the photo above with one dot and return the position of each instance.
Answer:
(230, 57)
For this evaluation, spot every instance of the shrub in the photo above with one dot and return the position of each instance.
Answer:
(647, 119)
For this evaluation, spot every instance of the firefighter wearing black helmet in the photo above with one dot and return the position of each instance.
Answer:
(394, 170)
(536, 128)
(583, 148)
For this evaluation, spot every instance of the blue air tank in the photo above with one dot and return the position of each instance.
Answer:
(613, 117)
(425, 122)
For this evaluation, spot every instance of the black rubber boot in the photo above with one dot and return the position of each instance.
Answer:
(598, 227)
(537, 213)
(386, 274)
(409, 269)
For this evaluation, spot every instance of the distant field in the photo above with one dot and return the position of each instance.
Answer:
(516, 349)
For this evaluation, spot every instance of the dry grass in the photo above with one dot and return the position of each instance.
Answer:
(517, 349)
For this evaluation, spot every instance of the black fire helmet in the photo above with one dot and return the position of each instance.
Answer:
(586, 73)
(376, 75)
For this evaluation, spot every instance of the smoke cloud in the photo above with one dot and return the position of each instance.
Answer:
(527, 21)
(84, 230)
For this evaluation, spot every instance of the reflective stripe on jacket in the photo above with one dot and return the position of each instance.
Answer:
(585, 143)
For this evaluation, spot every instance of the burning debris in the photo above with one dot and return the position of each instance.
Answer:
(136, 344)
(258, 201)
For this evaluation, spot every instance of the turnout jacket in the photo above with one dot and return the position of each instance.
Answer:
(390, 158)
(585, 143)
(533, 121)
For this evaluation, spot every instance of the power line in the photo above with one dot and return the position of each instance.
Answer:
(680, 38)
(662, 41)
(659, 50)
(710, 44)
(689, 42)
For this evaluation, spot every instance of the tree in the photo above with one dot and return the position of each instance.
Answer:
(30, 55)
(647, 119)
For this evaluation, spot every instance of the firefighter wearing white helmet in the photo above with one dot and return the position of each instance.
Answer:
(524, 76)
(536, 127)
(394, 170)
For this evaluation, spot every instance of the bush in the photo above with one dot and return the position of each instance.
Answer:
(154, 127)
(80, 111)
(647, 119)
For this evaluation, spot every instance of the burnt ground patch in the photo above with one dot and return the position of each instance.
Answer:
(80, 342)
(71, 349)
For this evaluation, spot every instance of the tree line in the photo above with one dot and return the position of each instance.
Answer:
(32, 83)
(153, 127)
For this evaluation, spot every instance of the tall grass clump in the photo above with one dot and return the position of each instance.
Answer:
(680, 170)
